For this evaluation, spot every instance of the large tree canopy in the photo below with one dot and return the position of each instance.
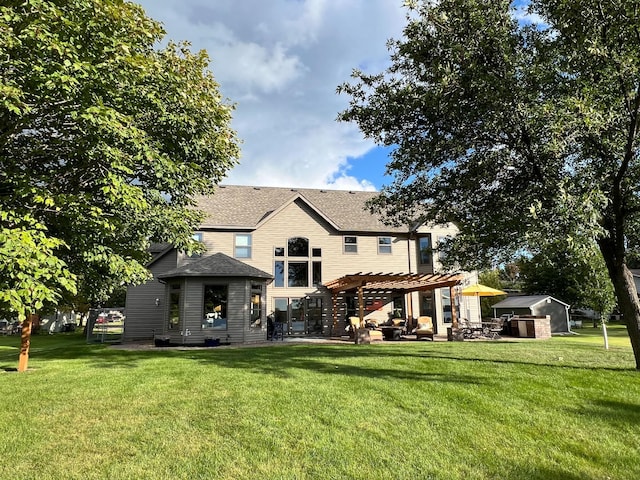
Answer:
(518, 132)
(572, 277)
(104, 141)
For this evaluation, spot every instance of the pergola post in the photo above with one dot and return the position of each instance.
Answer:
(408, 300)
(454, 315)
(360, 304)
(334, 301)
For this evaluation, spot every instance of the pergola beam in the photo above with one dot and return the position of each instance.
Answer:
(407, 283)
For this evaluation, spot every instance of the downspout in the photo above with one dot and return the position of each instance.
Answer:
(409, 239)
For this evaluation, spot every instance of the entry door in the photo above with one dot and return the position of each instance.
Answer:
(297, 317)
(290, 312)
(314, 315)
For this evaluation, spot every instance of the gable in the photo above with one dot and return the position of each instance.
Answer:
(235, 207)
(216, 265)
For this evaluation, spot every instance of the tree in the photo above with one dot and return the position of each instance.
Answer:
(490, 278)
(519, 133)
(579, 280)
(104, 142)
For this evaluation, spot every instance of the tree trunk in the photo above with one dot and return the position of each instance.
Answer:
(25, 342)
(629, 307)
(626, 294)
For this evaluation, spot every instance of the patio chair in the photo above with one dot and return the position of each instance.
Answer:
(496, 328)
(278, 331)
(424, 328)
(466, 329)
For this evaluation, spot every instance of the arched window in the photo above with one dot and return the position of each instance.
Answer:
(298, 247)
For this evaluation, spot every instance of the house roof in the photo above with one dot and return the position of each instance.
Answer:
(407, 282)
(234, 206)
(525, 301)
(157, 251)
(216, 265)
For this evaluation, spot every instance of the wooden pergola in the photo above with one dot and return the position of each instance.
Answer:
(400, 282)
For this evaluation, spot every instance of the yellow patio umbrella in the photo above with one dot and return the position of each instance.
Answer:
(478, 290)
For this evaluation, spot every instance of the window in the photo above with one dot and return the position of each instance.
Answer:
(384, 244)
(278, 273)
(316, 275)
(350, 244)
(198, 238)
(174, 306)
(298, 274)
(215, 307)
(424, 250)
(243, 246)
(426, 303)
(445, 298)
(281, 310)
(295, 269)
(298, 247)
(256, 306)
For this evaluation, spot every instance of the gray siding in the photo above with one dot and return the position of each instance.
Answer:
(558, 313)
(238, 313)
(143, 316)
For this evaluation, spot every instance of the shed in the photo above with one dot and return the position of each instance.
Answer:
(537, 305)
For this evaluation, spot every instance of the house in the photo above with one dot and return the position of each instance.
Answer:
(306, 258)
(636, 278)
(536, 305)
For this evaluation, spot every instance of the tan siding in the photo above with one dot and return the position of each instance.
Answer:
(297, 219)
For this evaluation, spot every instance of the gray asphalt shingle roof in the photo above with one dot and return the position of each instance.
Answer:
(216, 265)
(246, 206)
(523, 301)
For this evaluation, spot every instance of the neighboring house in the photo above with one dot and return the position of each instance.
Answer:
(537, 305)
(636, 278)
(305, 257)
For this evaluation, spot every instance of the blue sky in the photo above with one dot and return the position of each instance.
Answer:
(280, 62)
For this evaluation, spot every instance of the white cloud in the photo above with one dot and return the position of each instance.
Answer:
(523, 15)
(256, 67)
(281, 61)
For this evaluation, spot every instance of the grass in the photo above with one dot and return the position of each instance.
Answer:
(558, 409)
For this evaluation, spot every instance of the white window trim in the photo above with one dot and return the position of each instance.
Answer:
(249, 246)
(344, 245)
(389, 245)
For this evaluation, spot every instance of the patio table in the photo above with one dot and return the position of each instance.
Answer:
(392, 333)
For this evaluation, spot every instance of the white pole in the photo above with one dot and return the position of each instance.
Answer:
(604, 334)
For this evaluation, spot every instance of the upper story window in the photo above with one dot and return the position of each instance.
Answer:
(243, 245)
(442, 241)
(278, 273)
(424, 250)
(298, 247)
(384, 244)
(198, 238)
(350, 244)
(295, 268)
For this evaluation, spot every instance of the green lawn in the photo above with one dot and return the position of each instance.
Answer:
(558, 409)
